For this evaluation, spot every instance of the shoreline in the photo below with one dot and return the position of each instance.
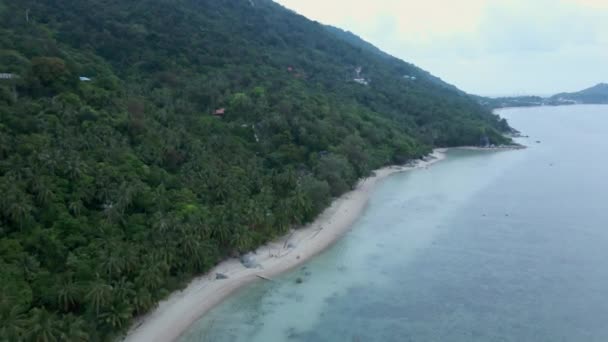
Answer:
(174, 315)
(493, 148)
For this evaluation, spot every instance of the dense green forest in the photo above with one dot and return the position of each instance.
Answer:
(119, 185)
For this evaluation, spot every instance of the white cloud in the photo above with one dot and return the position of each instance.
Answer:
(483, 46)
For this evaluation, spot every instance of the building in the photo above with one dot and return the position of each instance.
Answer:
(361, 81)
(7, 76)
(219, 112)
(84, 79)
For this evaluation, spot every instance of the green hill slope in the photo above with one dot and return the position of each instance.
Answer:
(119, 185)
(410, 69)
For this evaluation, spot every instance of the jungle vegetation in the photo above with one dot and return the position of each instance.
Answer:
(118, 185)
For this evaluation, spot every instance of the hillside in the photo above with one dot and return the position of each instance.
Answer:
(413, 71)
(357, 41)
(143, 141)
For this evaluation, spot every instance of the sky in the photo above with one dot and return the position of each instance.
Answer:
(485, 47)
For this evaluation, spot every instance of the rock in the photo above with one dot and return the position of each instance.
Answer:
(248, 260)
(299, 281)
(291, 245)
(220, 276)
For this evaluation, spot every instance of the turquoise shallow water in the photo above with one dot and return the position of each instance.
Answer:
(484, 246)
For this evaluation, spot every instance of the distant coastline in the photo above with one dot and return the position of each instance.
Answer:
(597, 94)
(493, 148)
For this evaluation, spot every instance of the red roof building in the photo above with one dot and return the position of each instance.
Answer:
(219, 112)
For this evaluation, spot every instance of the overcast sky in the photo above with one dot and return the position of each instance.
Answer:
(487, 47)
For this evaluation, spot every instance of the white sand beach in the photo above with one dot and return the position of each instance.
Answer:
(181, 309)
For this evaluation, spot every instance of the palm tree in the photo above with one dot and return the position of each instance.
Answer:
(116, 315)
(30, 266)
(142, 301)
(125, 197)
(68, 293)
(242, 239)
(43, 326)
(19, 211)
(130, 258)
(160, 197)
(75, 168)
(43, 192)
(5, 143)
(76, 206)
(99, 295)
(301, 202)
(221, 229)
(151, 276)
(74, 329)
(124, 290)
(164, 254)
(12, 322)
(196, 251)
(161, 223)
(112, 263)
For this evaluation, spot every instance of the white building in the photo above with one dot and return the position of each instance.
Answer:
(361, 81)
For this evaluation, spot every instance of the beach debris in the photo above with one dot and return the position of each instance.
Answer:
(248, 260)
(538, 141)
(262, 277)
(220, 276)
(291, 245)
(317, 232)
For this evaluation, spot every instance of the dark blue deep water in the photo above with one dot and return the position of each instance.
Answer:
(484, 246)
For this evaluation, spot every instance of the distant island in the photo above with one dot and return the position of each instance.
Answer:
(597, 94)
